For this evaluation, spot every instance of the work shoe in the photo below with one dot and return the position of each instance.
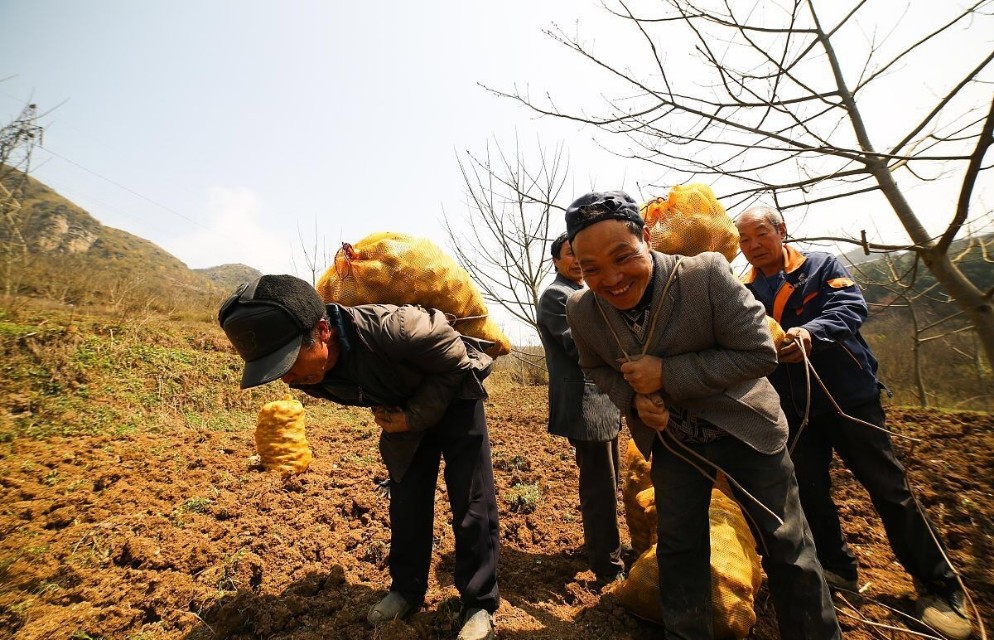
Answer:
(604, 581)
(946, 614)
(478, 624)
(391, 607)
(835, 581)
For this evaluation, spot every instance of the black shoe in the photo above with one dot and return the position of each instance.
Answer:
(605, 581)
(835, 581)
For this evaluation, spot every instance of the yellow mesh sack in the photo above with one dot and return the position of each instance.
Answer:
(641, 521)
(280, 439)
(776, 331)
(735, 574)
(690, 221)
(396, 268)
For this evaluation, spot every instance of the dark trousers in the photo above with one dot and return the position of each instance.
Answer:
(599, 464)
(683, 495)
(869, 455)
(461, 438)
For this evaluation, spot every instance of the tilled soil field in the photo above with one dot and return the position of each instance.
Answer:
(175, 534)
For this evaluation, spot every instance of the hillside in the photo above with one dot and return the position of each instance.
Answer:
(875, 277)
(228, 276)
(917, 332)
(72, 257)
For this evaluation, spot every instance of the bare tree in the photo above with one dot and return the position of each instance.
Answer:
(504, 241)
(17, 141)
(903, 292)
(776, 107)
(317, 259)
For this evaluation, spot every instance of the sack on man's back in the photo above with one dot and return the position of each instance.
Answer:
(396, 268)
(735, 574)
(690, 220)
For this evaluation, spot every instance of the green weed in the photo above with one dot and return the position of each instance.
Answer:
(197, 505)
(524, 498)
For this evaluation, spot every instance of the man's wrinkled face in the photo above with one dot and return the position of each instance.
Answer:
(616, 263)
(567, 265)
(315, 360)
(761, 242)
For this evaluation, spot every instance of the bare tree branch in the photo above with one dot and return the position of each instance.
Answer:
(773, 107)
(504, 241)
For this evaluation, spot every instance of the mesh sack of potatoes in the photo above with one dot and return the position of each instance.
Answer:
(735, 574)
(639, 513)
(396, 268)
(690, 220)
(735, 568)
(776, 331)
(280, 439)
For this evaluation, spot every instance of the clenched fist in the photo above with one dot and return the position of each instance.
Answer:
(797, 338)
(390, 419)
(652, 410)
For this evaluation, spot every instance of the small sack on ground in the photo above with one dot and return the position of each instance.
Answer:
(280, 439)
(689, 221)
(396, 268)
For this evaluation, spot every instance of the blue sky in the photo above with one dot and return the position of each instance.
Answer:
(216, 129)
(223, 130)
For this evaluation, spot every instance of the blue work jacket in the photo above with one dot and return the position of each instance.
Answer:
(814, 291)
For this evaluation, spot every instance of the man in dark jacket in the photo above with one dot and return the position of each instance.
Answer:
(579, 411)
(821, 309)
(424, 382)
(683, 350)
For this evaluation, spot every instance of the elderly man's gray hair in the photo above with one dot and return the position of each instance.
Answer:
(770, 215)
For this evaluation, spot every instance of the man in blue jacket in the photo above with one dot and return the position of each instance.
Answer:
(821, 309)
(579, 411)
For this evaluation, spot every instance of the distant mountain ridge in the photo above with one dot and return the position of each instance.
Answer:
(227, 277)
(72, 256)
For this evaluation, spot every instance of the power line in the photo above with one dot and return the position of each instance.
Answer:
(128, 189)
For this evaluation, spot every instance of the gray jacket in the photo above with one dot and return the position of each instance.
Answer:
(408, 357)
(716, 348)
(577, 408)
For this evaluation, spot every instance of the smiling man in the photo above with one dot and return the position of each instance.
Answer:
(682, 349)
(424, 383)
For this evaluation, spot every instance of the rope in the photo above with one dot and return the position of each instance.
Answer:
(453, 319)
(889, 608)
(659, 434)
(809, 367)
(714, 479)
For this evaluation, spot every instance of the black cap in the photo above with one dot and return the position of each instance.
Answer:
(597, 206)
(266, 321)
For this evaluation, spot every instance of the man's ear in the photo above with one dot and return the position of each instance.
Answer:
(782, 230)
(646, 235)
(324, 332)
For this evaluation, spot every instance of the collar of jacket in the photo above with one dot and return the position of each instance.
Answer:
(336, 320)
(566, 281)
(792, 261)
